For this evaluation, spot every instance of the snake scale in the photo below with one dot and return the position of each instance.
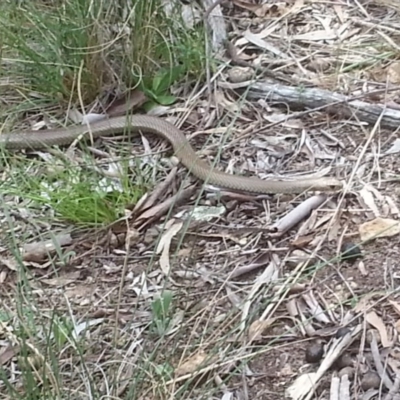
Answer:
(35, 140)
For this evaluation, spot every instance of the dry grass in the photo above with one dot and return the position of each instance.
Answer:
(195, 295)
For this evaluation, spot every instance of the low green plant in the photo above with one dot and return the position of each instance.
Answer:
(162, 313)
(79, 195)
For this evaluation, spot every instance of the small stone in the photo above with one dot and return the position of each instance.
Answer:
(350, 252)
(314, 353)
(370, 380)
(349, 371)
(240, 74)
(353, 285)
(344, 361)
(342, 332)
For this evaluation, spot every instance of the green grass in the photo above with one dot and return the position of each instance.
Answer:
(64, 55)
(56, 56)
(82, 194)
(71, 52)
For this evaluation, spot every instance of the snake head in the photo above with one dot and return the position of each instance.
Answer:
(328, 184)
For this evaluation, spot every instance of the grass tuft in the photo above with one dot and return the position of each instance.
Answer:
(83, 196)
(56, 56)
(72, 52)
(66, 55)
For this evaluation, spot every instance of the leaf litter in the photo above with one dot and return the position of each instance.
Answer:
(279, 298)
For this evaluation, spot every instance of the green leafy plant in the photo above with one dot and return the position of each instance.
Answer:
(162, 313)
(157, 89)
(62, 328)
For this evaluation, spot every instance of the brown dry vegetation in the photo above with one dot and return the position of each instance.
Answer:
(197, 293)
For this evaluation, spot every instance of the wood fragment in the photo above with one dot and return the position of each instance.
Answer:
(299, 213)
(39, 251)
(333, 103)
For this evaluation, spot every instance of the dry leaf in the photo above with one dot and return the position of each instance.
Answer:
(234, 298)
(316, 35)
(8, 353)
(75, 116)
(39, 251)
(340, 12)
(369, 201)
(395, 148)
(89, 118)
(164, 245)
(130, 101)
(202, 213)
(10, 263)
(379, 227)
(258, 327)
(314, 307)
(393, 72)
(221, 100)
(191, 365)
(154, 212)
(365, 303)
(147, 200)
(373, 319)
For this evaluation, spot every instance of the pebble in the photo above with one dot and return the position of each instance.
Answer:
(350, 252)
(370, 380)
(314, 353)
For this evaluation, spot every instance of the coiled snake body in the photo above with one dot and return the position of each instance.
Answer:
(36, 140)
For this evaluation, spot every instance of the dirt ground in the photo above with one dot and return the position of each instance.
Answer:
(250, 302)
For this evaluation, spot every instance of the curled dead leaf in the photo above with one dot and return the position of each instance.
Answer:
(192, 364)
(377, 322)
(164, 245)
(258, 328)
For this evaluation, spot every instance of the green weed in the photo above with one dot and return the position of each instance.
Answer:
(162, 313)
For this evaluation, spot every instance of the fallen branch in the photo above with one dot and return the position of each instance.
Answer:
(318, 99)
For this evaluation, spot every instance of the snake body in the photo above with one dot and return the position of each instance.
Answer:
(36, 140)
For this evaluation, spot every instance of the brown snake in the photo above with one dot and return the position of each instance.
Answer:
(35, 140)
